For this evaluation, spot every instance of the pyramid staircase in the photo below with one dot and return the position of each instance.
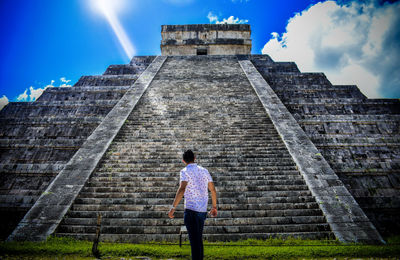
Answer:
(206, 104)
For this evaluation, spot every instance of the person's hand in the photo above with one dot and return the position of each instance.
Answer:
(171, 213)
(213, 212)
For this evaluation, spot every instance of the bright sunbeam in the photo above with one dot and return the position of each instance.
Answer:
(110, 8)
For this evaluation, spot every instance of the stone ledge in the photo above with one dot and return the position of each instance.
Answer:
(342, 145)
(32, 143)
(43, 218)
(95, 89)
(53, 120)
(31, 169)
(197, 41)
(205, 27)
(103, 103)
(340, 101)
(339, 207)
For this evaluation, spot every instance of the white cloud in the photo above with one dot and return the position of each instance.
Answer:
(35, 93)
(62, 79)
(3, 102)
(212, 18)
(357, 43)
(23, 96)
(230, 20)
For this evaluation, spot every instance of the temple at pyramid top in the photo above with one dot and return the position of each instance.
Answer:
(205, 39)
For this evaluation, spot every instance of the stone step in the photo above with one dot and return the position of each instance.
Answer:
(237, 175)
(305, 88)
(32, 168)
(33, 192)
(209, 222)
(206, 152)
(221, 178)
(88, 89)
(340, 138)
(217, 178)
(232, 151)
(292, 228)
(360, 172)
(142, 61)
(15, 200)
(349, 118)
(340, 109)
(123, 69)
(107, 183)
(43, 121)
(321, 235)
(267, 170)
(171, 194)
(107, 80)
(108, 167)
(36, 155)
(210, 144)
(138, 238)
(151, 133)
(213, 110)
(24, 111)
(215, 163)
(81, 96)
(175, 170)
(235, 112)
(122, 156)
(334, 145)
(31, 143)
(137, 136)
(179, 214)
(219, 128)
(167, 201)
(309, 78)
(260, 123)
(64, 103)
(346, 101)
(166, 207)
(167, 189)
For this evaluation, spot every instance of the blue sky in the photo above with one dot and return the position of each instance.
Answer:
(53, 43)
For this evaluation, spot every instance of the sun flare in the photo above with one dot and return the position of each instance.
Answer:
(109, 9)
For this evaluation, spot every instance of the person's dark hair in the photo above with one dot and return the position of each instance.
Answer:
(188, 156)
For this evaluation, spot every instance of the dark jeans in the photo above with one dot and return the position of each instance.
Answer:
(194, 222)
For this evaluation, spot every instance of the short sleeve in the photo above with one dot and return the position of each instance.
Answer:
(208, 176)
(183, 176)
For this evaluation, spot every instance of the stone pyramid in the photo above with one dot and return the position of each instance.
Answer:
(290, 153)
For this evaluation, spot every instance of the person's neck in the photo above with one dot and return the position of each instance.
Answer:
(190, 163)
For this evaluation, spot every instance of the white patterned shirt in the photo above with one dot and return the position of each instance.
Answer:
(196, 193)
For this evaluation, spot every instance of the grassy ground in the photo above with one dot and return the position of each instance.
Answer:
(64, 248)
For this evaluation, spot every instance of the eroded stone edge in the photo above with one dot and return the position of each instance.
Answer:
(345, 217)
(46, 214)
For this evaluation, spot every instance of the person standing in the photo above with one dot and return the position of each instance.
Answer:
(195, 181)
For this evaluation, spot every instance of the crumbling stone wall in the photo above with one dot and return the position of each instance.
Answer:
(358, 136)
(38, 138)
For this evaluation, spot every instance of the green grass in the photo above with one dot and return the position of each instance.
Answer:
(248, 249)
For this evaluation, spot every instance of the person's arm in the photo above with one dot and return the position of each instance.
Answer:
(213, 211)
(178, 197)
